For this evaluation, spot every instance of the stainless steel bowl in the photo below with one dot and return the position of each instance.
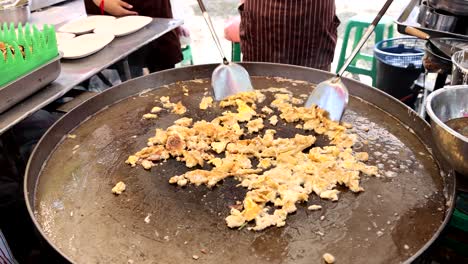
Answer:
(456, 7)
(460, 67)
(443, 105)
(443, 22)
(16, 14)
(424, 14)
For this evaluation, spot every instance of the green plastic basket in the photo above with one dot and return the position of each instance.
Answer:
(40, 47)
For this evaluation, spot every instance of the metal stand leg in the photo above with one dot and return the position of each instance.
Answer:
(126, 68)
(104, 79)
(123, 68)
(430, 79)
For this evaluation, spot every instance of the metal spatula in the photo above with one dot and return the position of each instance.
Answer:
(228, 78)
(332, 95)
(447, 49)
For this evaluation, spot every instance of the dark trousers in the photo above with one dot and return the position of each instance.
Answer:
(142, 59)
(15, 147)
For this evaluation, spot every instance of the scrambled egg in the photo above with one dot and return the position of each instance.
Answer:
(287, 170)
(314, 207)
(329, 258)
(150, 116)
(255, 125)
(184, 121)
(119, 188)
(156, 109)
(206, 102)
(273, 120)
(267, 110)
(177, 108)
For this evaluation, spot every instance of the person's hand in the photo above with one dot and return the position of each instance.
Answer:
(183, 32)
(232, 29)
(116, 7)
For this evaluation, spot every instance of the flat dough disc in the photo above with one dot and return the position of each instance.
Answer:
(124, 25)
(85, 25)
(85, 45)
(64, 37)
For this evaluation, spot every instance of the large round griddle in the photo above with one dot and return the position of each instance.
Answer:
(68, 188)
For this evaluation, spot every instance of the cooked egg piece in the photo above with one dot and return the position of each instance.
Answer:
(273, 120)
(329, 258)
(314, 207)
(119, 188)
(206, 102)
(150, 116)
(255, 125)
(179, 108)
(156, 109)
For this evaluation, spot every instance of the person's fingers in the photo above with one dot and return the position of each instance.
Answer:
(183, 31)
(130, 13)
(125, 12)
(126, 5)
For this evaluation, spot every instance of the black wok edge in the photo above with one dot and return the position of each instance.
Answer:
(371, 95)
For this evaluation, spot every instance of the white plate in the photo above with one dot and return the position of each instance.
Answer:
(124, 25)
(85, 25)
(85, 45)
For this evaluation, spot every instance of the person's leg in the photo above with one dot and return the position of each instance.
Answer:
(163, 53)
(160, 67)
(29, 131)
(144, 57)
(136, 61)
(15, 221)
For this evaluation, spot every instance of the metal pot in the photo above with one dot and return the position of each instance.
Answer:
(424, 15)
(429, 17)
(457, 7)
(442, 22)
(446, 104)
(15, 14)
(460, 67)
(434, 62)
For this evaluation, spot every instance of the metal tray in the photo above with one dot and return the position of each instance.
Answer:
(408, 17)
(15, 91)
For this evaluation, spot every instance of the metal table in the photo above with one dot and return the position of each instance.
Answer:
(77, 71)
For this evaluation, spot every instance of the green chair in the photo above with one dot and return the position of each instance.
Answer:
(359, 23)
(235, 52)
(187, 54)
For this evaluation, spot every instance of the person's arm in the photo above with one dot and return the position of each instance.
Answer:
(116, 7)
(179, 9)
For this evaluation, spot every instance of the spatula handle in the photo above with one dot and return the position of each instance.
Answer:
(212, 30)
(364, 38)
(416, 33)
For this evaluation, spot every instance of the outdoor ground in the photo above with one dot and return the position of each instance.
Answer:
(204, 50)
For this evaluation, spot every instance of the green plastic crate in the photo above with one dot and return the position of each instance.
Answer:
(43, 44)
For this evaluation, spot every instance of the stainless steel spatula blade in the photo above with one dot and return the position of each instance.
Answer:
(228, 78)
(331, 95)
